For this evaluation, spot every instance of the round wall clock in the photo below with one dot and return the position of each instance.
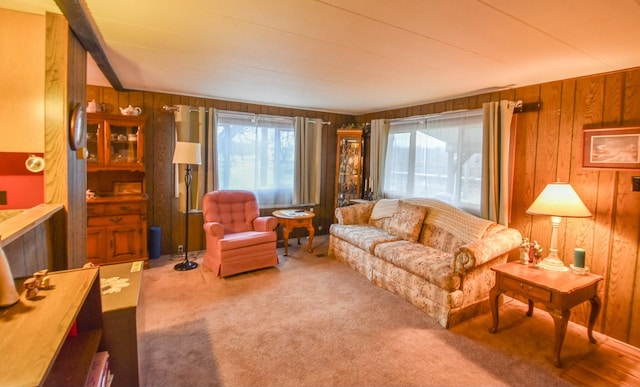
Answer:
(77, 126)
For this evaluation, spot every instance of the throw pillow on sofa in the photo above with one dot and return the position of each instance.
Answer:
(406, 221)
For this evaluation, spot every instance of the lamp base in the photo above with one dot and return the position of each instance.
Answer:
(552, 263)
(185, 265)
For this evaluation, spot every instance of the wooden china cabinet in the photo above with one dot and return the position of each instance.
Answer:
(117, 215)
(348, 166)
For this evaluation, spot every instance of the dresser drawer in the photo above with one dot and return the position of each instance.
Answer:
(95, 209)
(125, 208)
(113, 220)
(527, 290)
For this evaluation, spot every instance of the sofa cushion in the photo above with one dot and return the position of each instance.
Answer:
(406, 221)
(426, 262)
(364, 236)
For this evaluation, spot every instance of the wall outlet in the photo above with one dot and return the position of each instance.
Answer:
(319, 228)
(180, 249)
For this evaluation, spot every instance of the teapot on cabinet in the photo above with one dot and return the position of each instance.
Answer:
(131, 111)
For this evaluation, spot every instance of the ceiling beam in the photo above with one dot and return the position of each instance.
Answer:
(82, 24)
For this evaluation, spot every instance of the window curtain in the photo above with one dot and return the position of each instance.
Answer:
(497, 159)
(377, 155)
(210, 155)
(256, 152)
(307, 172)
(191, 126)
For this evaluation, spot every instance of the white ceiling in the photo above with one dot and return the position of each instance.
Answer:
(358, 56)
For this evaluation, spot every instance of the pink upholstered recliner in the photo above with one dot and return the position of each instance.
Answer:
(238, 239)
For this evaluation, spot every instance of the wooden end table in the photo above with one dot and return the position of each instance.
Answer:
(290, 219)
(558, 291)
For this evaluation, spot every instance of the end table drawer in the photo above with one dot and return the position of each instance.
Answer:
(526, 290)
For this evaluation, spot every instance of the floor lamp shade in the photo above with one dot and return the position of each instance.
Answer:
(187, 153)
(557, 200)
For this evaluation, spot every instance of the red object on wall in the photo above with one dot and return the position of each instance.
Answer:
(24, 189)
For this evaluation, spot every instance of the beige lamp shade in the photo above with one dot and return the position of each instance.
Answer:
(559, 199)
(187, 153)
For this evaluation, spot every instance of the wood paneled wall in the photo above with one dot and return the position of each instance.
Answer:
(65, 175)
(159, 143)
(549, 148)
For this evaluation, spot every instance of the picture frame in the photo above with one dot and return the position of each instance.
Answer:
(127, 188)
(612, 148)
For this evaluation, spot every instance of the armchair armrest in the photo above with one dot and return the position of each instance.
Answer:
(265, 223)
(486, 249)
(354, 214)
(214, 228)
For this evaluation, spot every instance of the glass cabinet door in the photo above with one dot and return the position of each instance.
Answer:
(349, 174)
(123, 145)
(95, 131)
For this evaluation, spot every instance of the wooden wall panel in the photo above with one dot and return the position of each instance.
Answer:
(159, 142)
(65, 174)
(549, 147)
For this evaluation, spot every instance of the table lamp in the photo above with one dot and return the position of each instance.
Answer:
(557, 200)
(187, 153)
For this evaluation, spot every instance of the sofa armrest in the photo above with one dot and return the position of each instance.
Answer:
(214, 228)
(355, 213)
(265, 223)
(486, 249)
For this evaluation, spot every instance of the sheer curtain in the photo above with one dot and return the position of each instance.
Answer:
(436, 156)
(256, 152)
(308, 137)
(377, 155)
(497, 166)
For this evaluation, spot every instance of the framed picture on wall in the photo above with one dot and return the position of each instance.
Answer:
(612, 148)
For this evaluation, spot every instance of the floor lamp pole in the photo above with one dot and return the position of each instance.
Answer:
(186, 264)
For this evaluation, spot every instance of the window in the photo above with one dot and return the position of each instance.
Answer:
(436, 156)
(256, 153)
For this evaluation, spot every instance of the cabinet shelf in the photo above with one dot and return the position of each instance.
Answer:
(74, 361)
(35, 348)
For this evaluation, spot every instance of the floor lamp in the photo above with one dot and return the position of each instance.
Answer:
(557, 200)
(187, 153)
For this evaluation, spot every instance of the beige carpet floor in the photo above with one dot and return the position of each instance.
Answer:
(313, 321)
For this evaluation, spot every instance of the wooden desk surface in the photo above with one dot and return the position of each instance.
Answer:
(34, 331)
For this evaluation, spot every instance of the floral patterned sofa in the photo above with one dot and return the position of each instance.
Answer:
(433, 255)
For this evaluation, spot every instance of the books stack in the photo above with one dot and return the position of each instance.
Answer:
(99, 374)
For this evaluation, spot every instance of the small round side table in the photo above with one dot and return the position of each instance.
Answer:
(290, 219)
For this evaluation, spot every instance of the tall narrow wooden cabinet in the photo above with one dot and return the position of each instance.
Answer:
(348, 166)
(117, 215)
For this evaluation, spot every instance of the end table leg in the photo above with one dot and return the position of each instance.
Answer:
(530, 310)
(595, 309)
(285, 236)
(560, 322)
(312, 232)
(494, 295)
